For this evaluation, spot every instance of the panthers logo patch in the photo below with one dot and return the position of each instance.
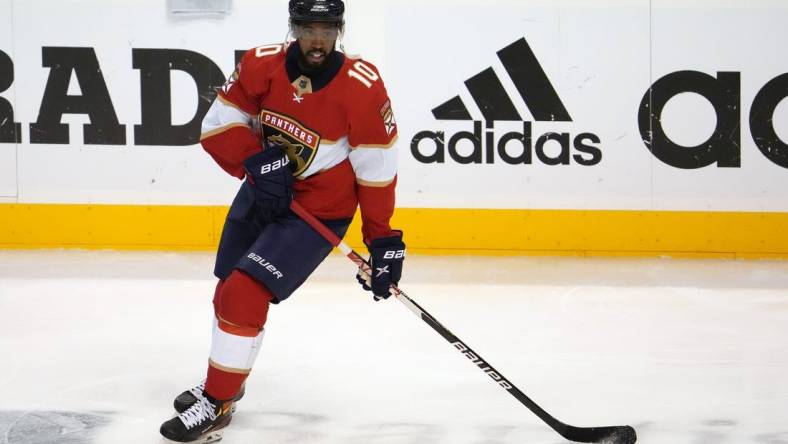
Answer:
(299, 142)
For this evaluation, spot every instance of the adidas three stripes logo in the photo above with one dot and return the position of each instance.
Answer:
(490, 96)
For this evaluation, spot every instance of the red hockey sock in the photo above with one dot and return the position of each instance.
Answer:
(223, 385)
(241, 306)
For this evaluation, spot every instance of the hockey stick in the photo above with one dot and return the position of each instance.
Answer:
(607, 435)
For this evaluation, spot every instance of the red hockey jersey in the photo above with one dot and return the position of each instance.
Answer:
(338, 127)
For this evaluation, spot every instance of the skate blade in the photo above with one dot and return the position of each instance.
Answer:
(207, 439)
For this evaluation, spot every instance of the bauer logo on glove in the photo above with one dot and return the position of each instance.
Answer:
(394, 254)
(275, 165)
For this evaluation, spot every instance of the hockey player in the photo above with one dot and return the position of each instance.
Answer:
(298, 120)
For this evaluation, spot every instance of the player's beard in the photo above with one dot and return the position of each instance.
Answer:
(311, 64)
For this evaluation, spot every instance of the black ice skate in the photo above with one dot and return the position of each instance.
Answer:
(199, 423)
(189, 397)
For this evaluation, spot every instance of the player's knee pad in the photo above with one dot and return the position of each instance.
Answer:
(242, 304)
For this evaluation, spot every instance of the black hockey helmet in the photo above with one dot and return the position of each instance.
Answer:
(331, 11)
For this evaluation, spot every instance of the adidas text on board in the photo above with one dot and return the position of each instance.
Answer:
(514, 148)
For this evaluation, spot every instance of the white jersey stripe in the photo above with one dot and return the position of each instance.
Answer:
(374, 164)
(221, 115)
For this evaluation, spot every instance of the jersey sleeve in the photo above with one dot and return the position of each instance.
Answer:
(228, 133)
(372, 137)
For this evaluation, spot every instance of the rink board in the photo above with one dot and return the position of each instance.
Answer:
(430, 231)
(553, 127)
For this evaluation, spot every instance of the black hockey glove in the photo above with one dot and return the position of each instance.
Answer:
(269, 174)
(386, 255)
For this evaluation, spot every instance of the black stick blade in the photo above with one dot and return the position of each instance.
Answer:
(601, 435)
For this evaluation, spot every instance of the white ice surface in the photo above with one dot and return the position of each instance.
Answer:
(685, 351)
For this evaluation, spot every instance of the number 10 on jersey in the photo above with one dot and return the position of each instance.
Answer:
(363, 73)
